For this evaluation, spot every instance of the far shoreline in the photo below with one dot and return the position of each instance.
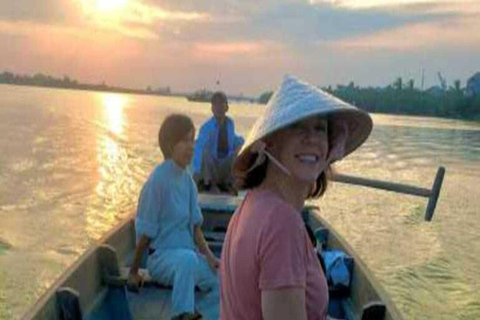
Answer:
(118, 90)
(106, 90)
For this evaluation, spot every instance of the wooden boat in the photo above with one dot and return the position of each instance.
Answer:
(93, 288)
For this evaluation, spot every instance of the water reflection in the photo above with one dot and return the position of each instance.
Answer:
(112, 165)
(113, 105)
(109, 153)
(78, 190)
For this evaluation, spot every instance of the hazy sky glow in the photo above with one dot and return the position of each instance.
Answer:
(248, 45)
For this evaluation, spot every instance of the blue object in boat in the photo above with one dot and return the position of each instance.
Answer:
(337, 271)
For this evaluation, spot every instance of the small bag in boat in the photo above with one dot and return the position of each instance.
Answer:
(336, 264)
(336, 268)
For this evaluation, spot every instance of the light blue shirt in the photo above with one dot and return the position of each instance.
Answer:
(168, 208)
(207, 140)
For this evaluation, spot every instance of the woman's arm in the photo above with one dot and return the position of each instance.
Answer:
(134, 279)
(203, 247)
(284, 304)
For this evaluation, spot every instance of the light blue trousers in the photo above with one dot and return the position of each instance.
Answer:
(183, 269)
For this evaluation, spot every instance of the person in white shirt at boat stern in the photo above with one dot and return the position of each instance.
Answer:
(216, 148)
(168, 223)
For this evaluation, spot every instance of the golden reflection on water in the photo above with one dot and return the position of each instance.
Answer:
(111, 155)
(108, 155)
(113, 105)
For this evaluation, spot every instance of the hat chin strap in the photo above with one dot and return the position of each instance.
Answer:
(262, 153)
(277, 163)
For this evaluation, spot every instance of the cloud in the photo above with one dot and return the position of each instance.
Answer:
(135, 19)
(227, 48)
(188, 43)
(461, 33)
(392, 4)
(296, 23)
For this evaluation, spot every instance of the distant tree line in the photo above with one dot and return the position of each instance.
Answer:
(404, 98)
(42, 80)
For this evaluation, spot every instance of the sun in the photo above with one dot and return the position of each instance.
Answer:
(104, 7)
(110, 5)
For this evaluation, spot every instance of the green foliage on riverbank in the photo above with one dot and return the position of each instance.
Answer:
(450, 103)
(405, 99)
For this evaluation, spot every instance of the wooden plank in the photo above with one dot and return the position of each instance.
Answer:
(68, 301)
(374, 310)
(219, 202)
(107, 256)
(122, 278)
(214, 236)
(150, 303)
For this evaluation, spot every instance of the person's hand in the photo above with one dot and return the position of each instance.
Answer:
(213, 262)
(134, 282)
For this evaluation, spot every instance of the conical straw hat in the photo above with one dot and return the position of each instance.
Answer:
(295, 100)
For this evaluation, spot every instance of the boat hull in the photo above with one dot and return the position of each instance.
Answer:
(97, 298)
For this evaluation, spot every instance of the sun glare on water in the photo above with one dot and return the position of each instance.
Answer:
(113, 106)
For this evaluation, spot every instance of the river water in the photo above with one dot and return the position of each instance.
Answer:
(72, 164)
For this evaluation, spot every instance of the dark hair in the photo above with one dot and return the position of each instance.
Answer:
(255, 177)
(172, 130)
(219, 96)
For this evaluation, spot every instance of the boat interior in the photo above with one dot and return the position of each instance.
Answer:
(94, 288)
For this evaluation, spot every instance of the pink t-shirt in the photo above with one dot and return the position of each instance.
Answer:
(267, 248)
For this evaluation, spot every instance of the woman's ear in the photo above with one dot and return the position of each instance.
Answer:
(269, 144)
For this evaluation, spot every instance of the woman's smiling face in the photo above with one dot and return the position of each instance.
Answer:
(302, 148)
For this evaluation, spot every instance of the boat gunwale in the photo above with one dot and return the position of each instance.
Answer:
(47, 301)
(383, 296)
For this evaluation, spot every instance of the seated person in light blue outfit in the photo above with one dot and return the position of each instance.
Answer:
(168, 223)
(216, 148)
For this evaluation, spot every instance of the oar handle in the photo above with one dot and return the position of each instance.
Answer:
(437, 186)
(432, 194)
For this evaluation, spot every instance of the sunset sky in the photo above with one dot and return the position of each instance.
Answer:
(246, 44)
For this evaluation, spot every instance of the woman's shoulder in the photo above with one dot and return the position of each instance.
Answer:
(273, 209)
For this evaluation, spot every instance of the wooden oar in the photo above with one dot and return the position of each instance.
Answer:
(431, 194)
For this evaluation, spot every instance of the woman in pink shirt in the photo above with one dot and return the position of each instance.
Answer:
(269, 269)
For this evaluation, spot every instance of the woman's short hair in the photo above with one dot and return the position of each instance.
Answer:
(255, 177)
(173, 129)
